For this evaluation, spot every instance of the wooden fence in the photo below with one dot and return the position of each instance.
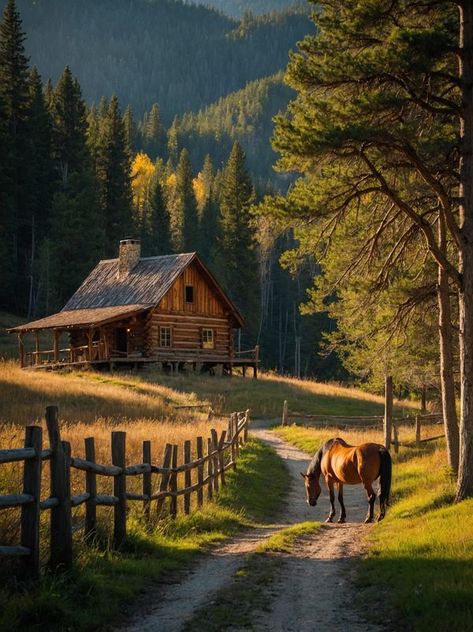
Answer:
(367, 422)
(221, 454)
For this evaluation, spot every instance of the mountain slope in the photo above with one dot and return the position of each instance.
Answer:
(238, 7)
(182, 56)
(246, 116)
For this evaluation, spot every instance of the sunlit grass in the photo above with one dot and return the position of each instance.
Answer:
(421, 554)
(102, 583)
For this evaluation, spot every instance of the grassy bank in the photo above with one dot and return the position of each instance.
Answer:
(419, 572)
(88, 396)
(103, 583)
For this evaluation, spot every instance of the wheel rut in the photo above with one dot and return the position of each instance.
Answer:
(313, 591)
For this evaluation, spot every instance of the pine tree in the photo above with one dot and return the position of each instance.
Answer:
(209, 224)
(154, 134)
(157, 240)
(131, 131)
(237, 246)
(173, 141)
(183, 208)
(113, 172)
(14, 93)
(41, 177)
(76, 229)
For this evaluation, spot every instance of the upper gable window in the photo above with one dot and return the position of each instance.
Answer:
(189, 293)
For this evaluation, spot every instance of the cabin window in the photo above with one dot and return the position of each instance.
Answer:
(207, 338)
(189, 293)
(165, 337)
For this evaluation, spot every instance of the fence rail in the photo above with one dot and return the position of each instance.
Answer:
(327, 421)
(222, 454)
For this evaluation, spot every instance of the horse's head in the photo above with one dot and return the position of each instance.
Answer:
(312, 488)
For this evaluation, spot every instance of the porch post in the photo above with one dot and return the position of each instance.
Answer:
(36, 361)
(21, 349)
(56, 345)
(90, 336)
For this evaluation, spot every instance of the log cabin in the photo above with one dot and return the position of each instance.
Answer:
(135, 311)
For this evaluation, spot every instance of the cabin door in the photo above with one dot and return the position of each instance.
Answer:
(121, 341)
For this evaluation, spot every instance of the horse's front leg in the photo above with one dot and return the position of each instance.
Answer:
(371, 499)
(343, 513)
(329, 484)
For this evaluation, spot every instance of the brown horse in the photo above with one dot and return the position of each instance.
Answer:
(342, 464)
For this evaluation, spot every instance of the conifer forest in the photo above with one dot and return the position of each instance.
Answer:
(119, 135)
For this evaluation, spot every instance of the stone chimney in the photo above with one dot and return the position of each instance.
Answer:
(128, 257)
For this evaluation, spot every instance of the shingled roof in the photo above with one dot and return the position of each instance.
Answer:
(103, 296)
(146, 284)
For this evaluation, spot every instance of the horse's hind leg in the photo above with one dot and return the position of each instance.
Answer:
(371, 499)
(343, 513)
(332, 500)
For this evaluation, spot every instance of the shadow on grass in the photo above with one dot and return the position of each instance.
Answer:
(423, 594)
(103, 583)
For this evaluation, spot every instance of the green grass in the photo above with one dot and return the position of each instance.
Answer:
(418, 574)
(103, 583)
(248, 590)
(265, 396)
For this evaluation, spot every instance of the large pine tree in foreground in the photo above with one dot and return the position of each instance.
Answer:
(380, 101)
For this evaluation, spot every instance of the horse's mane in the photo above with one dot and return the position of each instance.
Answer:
(314, 467)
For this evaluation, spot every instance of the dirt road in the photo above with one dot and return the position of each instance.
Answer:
(314, 591)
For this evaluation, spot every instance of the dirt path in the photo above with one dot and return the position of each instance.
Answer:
(314, 591)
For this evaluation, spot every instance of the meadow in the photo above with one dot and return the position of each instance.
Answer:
(418, 574)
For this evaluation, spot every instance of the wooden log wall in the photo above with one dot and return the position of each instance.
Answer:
(186, 479)
(186, 333)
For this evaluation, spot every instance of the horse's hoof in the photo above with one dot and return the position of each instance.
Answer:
(368, 520)
(380, 517)
(329, 519)
(341, 521)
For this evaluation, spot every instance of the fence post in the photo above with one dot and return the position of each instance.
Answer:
(247, 423)
(233, 422)
(61, 517)
(147, 489)
(396, 436)
(388, 410)
(200, 471)
(210, 470)
(284, 420)
(173, 482)
(418, 427)
(163, 486)
(255, 368)
(187, 477)
(221, 457)
(30, 512)
(119, 488)
(215, 459)
(90, 488)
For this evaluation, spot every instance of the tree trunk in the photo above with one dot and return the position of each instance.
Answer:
(465, 472)
(447, 380)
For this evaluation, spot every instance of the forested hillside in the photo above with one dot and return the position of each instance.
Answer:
(238, 7)
(182, 56)
(246, 116)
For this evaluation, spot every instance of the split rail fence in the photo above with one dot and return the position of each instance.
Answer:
(215, 455)
(370, 422)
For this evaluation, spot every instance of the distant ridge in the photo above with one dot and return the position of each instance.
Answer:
(180, 55)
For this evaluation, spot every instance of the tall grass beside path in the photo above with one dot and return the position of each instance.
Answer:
(103, 583)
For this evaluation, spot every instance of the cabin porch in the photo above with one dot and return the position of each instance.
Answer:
(111, 347)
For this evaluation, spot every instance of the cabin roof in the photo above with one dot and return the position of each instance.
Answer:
(143, 288)
(146, 284)
(82, 317)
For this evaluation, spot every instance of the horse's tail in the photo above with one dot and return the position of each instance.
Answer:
(385, 473)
